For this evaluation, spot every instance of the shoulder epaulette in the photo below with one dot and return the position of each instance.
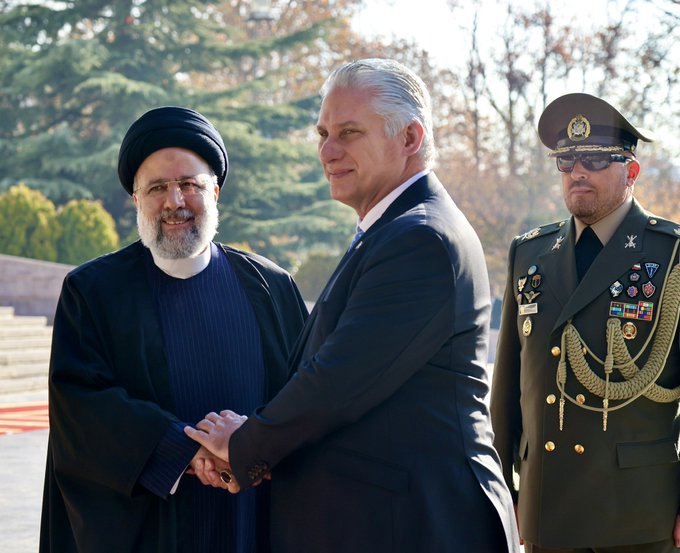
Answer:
(543, 230)
(665, 226)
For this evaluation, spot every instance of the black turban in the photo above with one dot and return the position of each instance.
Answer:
(171, 127)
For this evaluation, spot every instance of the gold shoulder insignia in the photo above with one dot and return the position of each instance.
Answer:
(533, 233)
(665, 226)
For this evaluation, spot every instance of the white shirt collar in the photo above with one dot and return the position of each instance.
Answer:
(378, 209)
(186, 267)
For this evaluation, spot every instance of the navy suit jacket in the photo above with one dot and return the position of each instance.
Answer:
(381, 439)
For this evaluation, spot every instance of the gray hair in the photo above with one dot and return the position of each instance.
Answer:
(400, 96)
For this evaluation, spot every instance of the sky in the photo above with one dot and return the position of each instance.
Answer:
(437, 28)
(445, 33)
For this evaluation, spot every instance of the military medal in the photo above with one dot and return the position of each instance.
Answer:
(528, 309)
(526, 326)
(651, 269)
(632, 291)
(531, 295)
(616, 289)
(648, 289)
(642, 310)
(521, 282)
(629, 331)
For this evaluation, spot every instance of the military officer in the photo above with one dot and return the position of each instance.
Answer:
(587, 377)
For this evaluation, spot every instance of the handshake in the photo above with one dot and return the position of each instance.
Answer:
(211, 462)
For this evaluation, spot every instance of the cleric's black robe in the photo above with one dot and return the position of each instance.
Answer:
(111, 402)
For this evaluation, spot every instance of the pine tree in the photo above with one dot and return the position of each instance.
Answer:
(74, 75)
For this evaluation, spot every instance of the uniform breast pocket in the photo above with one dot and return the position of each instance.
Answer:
(644, 454)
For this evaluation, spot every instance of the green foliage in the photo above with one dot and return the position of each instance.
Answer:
(33, 227)
(75, 75)
(313, 274)
(88, 230)
(30, 227)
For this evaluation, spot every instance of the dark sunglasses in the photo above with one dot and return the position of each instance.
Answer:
(590, 162)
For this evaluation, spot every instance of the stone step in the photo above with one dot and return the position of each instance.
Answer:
(11, 358)
(14, 372)
(22, 331)
(29, 341)
(6, 312)
(23, 320)
(25, 344)
(23, 384)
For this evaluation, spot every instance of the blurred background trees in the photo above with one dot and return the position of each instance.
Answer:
(73, 233)
(74, 75)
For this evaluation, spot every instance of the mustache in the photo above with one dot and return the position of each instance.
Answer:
(580, 184)
(181, 214)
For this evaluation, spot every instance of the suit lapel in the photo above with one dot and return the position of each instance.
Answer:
(623, 250)
(411, 197)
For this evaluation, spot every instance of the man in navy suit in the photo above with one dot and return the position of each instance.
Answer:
(381, 439)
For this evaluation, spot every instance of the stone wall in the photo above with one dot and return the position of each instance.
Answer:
(31, 286)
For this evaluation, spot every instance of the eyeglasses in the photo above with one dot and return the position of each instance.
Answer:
(590, 162)
(190, 186)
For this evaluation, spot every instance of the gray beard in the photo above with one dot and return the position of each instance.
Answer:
(181, 245)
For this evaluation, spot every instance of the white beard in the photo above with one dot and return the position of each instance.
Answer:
(178, 245)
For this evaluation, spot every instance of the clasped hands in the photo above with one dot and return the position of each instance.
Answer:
(211, 462)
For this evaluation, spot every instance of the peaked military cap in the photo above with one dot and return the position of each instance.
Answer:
(580, 122)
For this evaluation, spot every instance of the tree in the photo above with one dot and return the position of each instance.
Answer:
(30, 226)
(500, 173)
(88, 230)
(76, 74)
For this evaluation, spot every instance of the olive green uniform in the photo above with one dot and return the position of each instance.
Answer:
(597, 459)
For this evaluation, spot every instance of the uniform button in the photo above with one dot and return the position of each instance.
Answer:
(578, 448)
(555, 351)
(550, 399)
(580, 399)
(550, 446)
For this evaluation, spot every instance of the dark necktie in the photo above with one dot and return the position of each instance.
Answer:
(587, 248)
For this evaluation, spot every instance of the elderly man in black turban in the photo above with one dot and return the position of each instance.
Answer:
(147, 340)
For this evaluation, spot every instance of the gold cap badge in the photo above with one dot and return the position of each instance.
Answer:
(578, 129)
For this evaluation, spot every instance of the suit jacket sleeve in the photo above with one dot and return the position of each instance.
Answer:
(381, 325)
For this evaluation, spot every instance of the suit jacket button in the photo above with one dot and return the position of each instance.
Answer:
(549, 446)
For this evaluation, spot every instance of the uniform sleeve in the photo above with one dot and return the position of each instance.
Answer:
(506, 416)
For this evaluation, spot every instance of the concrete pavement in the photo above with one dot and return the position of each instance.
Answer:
(22, 470)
